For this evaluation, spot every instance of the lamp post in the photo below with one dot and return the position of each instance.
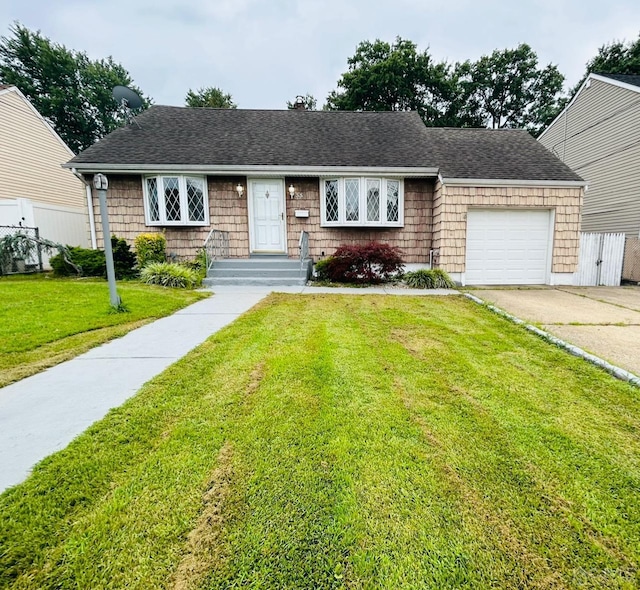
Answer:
(102, 184)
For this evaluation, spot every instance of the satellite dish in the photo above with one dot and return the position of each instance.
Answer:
(126, 97)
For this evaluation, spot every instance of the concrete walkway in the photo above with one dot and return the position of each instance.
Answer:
(44, 413)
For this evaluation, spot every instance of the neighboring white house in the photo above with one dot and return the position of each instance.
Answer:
(598, 136)
(35, 191)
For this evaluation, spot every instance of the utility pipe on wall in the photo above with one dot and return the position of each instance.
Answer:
(92, 220)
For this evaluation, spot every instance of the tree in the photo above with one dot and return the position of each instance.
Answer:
(616, 58)
(508, 89)
(71, 91)
(308, 100)
(396, 77)
(209, 97)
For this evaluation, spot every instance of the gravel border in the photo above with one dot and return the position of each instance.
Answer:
(617, 372)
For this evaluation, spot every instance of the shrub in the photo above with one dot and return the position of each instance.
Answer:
(199, 265)
(124, 259)
(170, 274)
(92, 262)
(322, 268)
(435, 278)
(150, 248)
(369, 263)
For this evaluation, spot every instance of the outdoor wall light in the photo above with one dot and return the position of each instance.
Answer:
(239, 190)
(293, 194)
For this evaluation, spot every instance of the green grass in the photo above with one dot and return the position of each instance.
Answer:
(345, 442)
(44, 321)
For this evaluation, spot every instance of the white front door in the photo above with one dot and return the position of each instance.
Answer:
(266, 216)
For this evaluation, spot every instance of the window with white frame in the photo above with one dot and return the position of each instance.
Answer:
(362, 201)
(175, 200)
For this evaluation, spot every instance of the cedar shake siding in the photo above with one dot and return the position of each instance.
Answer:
(226, 212)
(452, 202)
(229, 213)
(414, 239)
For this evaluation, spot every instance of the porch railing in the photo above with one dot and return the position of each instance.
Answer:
(216, 246)
(303, 242)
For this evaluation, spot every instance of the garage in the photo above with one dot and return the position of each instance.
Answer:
(508, 246)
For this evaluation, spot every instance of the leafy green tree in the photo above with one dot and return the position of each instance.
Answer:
(508, 89)
(309, 102)
(71, 91)
(397, 77)
(615, 58)
(209, 97)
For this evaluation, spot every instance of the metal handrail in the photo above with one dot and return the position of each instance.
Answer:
(216, 246)
(303, 243)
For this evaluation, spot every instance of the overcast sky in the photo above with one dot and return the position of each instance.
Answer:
(265, 52)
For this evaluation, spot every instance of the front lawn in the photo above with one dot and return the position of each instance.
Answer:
(345, 442)
(44, 321)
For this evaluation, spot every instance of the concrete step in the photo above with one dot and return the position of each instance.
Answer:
(257, 272)
(263, 281)
(258, 262)
(262, 270)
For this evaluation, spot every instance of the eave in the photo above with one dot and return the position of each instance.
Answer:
(231, 170)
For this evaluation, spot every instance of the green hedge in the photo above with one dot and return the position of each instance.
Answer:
(92, 262)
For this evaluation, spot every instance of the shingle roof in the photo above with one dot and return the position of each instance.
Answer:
(509, 154)
(230, 137)
(632, 79)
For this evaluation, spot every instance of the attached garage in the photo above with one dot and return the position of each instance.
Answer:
(508, 246)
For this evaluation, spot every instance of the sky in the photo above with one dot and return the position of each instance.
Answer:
(264, 53)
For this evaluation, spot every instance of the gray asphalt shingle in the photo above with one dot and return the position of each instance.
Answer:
(632, 79)
(230, 137)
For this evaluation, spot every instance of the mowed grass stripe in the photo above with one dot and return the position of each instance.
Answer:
(367, 442)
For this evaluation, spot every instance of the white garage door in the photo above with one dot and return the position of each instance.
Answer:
(508, 247)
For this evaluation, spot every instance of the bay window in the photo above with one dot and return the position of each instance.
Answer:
(364, 201)
(175, 200)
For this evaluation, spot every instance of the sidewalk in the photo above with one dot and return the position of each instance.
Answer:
(44, 413)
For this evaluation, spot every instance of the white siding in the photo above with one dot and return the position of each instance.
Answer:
(31, 157)
(602, 130)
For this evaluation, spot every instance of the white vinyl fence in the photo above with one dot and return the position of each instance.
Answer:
(600, 262)
(66, 225)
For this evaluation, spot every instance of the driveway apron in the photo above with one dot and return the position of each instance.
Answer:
(604, 321)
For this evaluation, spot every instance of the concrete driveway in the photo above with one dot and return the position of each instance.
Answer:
(604, 321)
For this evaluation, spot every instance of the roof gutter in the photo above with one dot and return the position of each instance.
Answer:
(92, 221)
(405, 171)
(507, 182)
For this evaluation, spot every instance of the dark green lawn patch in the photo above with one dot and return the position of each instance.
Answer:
(44, 321)
(345, 441)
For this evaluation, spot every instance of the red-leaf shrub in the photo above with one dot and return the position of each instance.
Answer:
(368, 263)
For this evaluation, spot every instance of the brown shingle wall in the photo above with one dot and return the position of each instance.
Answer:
(450, 219)
(226, 211)
(414, 239)
(229, 213)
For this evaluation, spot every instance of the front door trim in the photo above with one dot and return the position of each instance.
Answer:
(251, 213)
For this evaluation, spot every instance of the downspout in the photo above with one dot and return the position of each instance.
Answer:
(92, 221)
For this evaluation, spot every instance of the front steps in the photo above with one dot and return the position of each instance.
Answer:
(259, 270)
